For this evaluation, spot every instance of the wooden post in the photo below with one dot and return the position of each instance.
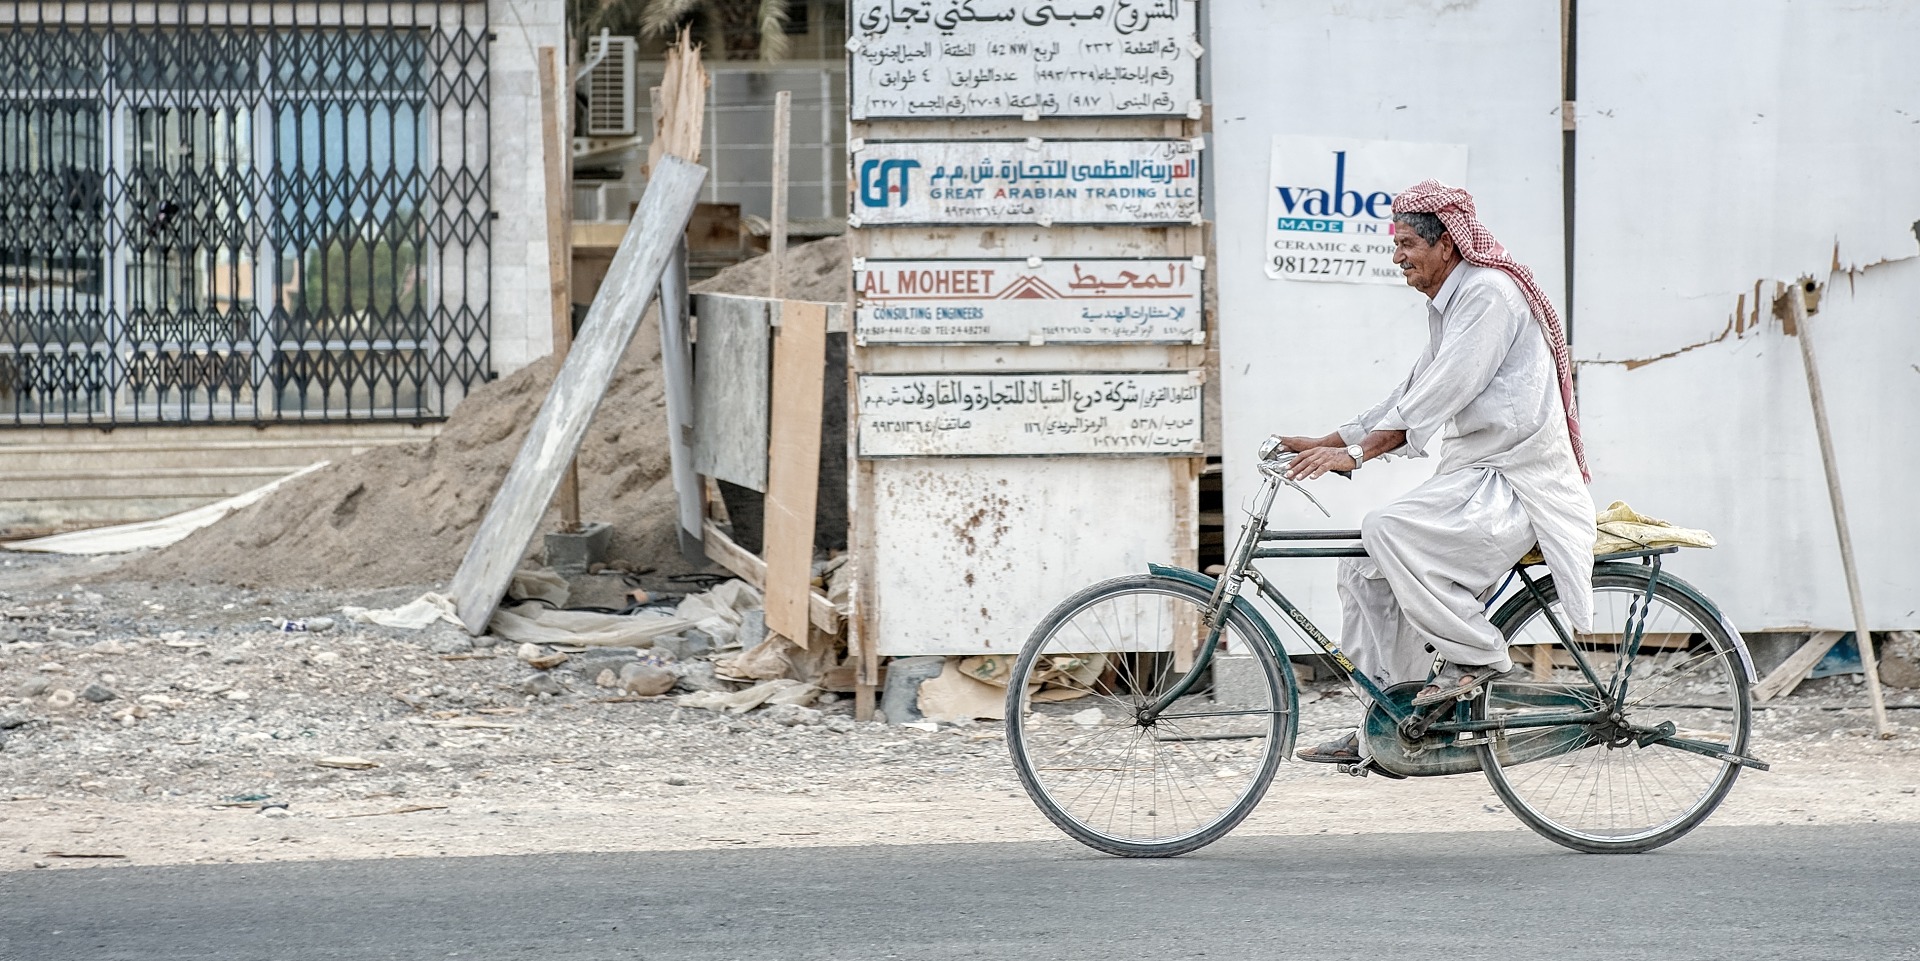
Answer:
(577, 390)
(559, 154)
(1797, 305)
(782, 136)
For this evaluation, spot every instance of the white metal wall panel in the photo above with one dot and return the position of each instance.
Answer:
(976, 551)
(1301, 357)
(1736, 146)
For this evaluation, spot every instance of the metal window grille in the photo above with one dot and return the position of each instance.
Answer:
(220, 212)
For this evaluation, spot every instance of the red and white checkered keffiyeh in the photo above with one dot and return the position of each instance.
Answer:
(1454, 207)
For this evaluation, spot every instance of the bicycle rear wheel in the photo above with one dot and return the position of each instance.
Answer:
(1597, 788)
(1110, 778)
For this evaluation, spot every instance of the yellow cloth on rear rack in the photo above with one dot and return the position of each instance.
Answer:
(1621, 528)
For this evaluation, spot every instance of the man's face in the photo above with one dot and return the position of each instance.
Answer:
(1423, 264)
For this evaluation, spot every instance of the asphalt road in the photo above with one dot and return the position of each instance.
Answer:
(1739, 893)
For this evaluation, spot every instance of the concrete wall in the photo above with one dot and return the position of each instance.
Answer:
(522, 315)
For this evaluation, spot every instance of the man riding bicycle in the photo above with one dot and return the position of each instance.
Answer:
(1494, 389)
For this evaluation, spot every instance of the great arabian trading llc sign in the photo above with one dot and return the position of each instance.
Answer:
(1330, 204)
(979, 58)
(1010, 415)
(1074, 301)
(1042, 182)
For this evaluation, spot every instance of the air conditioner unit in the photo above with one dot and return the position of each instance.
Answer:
(610, 99)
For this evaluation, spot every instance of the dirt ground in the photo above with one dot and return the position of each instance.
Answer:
(211, 718)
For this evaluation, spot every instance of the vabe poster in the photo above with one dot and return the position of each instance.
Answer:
(1330, 204)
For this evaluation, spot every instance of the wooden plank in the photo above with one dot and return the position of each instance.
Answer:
(723, 551)
(1797, 306)
(557, 153)
(576, 392)
(731, 389)
(676, 364)
(1783, 679)
(793, 465)
(782, 139)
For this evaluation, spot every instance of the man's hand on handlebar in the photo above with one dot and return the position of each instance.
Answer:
(1315, 461)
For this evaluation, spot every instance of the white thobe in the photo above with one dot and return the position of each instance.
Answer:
(1486, 390)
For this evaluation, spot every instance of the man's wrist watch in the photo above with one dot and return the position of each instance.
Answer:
(1358, 455)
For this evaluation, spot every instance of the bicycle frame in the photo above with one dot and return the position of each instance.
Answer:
(1250, 547)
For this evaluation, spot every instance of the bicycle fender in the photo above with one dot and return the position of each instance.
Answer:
(1274, 644)
(1693, 594)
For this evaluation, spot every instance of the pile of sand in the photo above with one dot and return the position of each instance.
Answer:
(405, 515)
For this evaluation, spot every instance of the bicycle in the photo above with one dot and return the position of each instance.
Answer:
(1615, 741)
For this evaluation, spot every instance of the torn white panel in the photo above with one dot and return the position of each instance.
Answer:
(1722, 438)
(976, 552)
(1735, 142)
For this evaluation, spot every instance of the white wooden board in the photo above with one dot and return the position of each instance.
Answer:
(1031, 59)
(975, 552)
(1739, 146)
(1303, 358)
(1025, 182)
(1012, 415)
(1078, 301)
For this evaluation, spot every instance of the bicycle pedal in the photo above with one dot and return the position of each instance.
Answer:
(1356, 770)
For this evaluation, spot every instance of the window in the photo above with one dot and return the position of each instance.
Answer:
(245, 221)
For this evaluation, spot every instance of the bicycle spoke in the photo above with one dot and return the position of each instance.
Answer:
(1100, 772)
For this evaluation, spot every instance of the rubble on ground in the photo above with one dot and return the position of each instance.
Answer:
(404, 515)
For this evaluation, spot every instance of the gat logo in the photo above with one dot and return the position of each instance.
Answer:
(1338, 202)
(878, 180)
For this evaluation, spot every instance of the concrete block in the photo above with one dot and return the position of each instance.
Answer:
(571, 554)
(900, 699)
(1238, 681)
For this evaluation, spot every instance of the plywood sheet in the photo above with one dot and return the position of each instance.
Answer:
(975, 552)
(733, 363)
(1303, 358)
(793, 471)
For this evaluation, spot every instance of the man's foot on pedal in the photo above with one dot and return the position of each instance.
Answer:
(1340, 750)
(1459, 680)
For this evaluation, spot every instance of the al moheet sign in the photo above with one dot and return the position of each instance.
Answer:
(1330, 204)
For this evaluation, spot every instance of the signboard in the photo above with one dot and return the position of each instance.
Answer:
(1026, 182)
(1079, 301)
(1072, 58)
(1330, 204)
(1054, 412)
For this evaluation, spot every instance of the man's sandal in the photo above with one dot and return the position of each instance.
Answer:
(1454, 681)
(1340, 750)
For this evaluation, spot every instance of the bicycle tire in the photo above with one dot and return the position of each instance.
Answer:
(1721, 679)
(1271, 722)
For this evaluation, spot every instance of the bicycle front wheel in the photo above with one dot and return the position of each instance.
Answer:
(1098, 766)
(1597, 788)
